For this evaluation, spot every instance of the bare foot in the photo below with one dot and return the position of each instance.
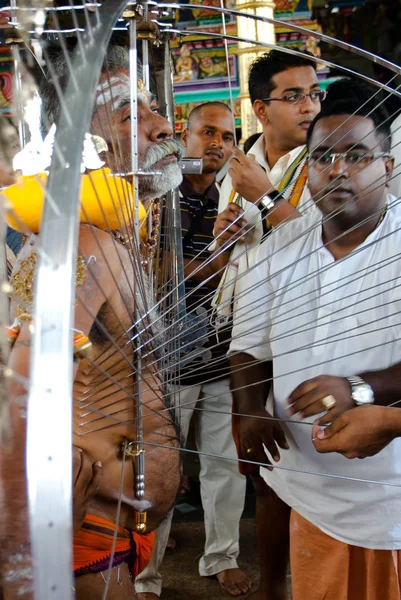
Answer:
(234, 581)
(171, 544)
(147, 596)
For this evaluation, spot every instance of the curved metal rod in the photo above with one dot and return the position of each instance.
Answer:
(320, 36)
(49, 448)
(236, 38)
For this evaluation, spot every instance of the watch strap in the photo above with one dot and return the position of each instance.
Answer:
(268, 200)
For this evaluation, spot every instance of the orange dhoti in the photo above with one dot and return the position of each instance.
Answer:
(92, 547)
(323, 568)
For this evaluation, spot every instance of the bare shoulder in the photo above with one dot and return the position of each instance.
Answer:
(101, 248)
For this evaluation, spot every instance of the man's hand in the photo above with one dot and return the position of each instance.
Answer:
(86, 484)
(254, 432)
(306, 399)
(248, 177)
(229, 226)
(358, 433)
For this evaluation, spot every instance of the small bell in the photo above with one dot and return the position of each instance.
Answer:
(13, 332)
(82, 346)
(141, 522)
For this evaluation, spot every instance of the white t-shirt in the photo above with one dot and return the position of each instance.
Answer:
(395, 183)
(313, 315)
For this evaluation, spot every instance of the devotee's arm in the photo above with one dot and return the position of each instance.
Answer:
(360, 432)
(86, 480)
(15, 559)
(250, 385)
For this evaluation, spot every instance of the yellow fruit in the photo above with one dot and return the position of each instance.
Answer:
(106, 202)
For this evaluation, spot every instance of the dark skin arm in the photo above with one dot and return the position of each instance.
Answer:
(14, 531)
(15, 554)
(209, 271)
(86, 481)
(250, 385)
(360, 432)
(306, 398)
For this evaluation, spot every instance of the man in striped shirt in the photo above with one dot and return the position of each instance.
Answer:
(204, 383)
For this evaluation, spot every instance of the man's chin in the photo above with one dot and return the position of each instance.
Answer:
(155, 186)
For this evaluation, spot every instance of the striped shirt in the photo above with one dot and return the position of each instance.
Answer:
(200, 210)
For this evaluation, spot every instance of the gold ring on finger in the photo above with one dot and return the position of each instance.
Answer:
(328, 402)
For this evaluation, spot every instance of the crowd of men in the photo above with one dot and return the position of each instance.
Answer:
(295, 263)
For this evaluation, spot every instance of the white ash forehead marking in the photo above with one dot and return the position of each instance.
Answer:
(117, 89)
(144, 96)
(117, 93)
(110, 80)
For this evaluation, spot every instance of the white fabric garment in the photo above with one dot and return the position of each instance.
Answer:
(226, 288)
(395, 183)
(222, 485)
(314, 316)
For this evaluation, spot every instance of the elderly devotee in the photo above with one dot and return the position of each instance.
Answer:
(104, 311)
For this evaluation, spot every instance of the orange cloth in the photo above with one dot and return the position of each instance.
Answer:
(144, 547)
(325, 568)
(92, 546)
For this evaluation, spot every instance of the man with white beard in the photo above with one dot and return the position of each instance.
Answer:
(104, 310)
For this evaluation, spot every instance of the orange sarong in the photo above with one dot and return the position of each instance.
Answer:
(92, 547)
(325, 568)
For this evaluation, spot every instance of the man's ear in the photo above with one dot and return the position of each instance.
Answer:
(260, 110)
(389, 170)
(184, 138)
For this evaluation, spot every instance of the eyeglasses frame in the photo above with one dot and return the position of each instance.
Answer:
(284, 98)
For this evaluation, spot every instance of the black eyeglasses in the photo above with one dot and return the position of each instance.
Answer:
(354, 159)
(300, 97)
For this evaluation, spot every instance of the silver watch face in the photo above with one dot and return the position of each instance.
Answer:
(362, 394)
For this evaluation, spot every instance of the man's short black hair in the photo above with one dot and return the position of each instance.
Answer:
(264, 68)
(351, 97)
(196, 111)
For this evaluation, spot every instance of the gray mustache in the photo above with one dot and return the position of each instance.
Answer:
(161, 150)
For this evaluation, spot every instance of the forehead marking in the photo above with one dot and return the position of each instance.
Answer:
(117, 89)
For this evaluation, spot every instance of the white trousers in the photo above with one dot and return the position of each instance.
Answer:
(222, 486)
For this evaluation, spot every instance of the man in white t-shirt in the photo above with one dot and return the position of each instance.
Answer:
(286, 96)
(320, 308)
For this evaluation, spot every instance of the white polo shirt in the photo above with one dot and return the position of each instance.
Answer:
(312, 316)
(252, 213)
(226, 288)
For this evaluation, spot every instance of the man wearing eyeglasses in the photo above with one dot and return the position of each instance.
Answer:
(267, 187)
(320, 308)
(285, 96)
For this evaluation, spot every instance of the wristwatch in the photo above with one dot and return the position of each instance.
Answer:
(361, 392)
(267, 201)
